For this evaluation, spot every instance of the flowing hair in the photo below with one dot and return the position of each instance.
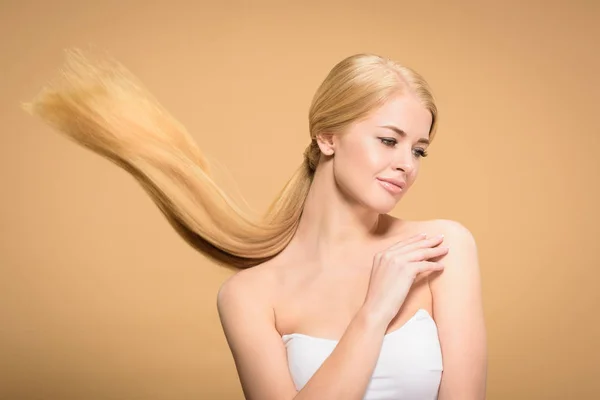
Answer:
(102, 106)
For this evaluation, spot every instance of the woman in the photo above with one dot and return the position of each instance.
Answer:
(335, 299)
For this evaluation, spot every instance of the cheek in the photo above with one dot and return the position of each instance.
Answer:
(355, 172)
(413, 176)
(361, 160)
(369, 156)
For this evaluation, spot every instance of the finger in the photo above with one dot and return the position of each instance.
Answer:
(428, 272)
(404, 242)
(420, 244)
(423, 267)
(423, 254)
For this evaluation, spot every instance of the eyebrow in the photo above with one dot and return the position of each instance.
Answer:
(402, 133)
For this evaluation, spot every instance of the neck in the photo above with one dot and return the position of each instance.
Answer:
(331, 225)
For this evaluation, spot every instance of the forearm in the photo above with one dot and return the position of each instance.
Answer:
(346, 373)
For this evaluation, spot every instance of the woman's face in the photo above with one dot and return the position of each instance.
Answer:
(387, 145)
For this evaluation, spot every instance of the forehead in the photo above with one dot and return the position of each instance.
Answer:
(405, 112)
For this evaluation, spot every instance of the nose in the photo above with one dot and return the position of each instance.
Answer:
(406, 168)
(404, 163)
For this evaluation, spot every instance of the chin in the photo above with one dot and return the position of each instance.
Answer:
(383, 205)
(377, 199)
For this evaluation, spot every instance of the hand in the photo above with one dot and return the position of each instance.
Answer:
(396, 269)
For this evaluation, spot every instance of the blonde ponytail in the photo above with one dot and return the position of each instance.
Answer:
(103, 107)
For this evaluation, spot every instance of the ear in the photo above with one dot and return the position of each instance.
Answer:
(326, 143)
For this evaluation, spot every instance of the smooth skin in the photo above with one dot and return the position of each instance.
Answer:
(353, 273)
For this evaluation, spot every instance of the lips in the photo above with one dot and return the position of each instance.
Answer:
(396, 182)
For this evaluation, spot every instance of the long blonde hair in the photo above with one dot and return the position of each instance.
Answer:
(105, 108)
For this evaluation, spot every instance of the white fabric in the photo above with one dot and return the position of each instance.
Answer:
(409, 366)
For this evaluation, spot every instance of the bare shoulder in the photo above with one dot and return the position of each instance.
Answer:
(245, 307)
(461, 241)
(449, 228)
(457, 306)
(461, 263)
(458, 312)
(462, 259)
(452, 229)
(432, 227)
(250, 289)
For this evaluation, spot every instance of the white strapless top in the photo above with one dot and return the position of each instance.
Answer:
(409, 364)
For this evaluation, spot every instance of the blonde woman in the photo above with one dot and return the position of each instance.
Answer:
(334, 297)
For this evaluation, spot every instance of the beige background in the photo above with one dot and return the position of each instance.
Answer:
(100, 299)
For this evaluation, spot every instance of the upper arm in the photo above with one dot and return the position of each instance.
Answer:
(458, 311)
(256, 346)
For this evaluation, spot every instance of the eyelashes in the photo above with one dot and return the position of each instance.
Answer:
(422, 153)
(390, 142)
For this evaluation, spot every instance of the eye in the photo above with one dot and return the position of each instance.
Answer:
(389, 142)
(421, 152)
